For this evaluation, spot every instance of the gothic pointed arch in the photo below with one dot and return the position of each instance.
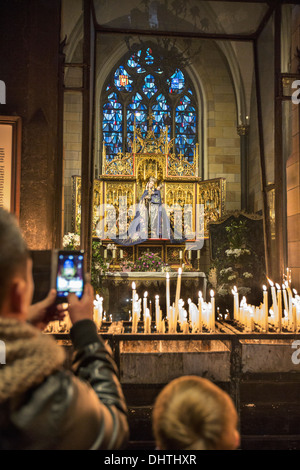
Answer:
(146, 89)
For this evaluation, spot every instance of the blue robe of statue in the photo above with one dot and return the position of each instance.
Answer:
(150, 222)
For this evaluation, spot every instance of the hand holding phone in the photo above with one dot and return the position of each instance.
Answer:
(81, 309)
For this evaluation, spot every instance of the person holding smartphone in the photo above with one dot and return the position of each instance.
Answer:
(43, 406)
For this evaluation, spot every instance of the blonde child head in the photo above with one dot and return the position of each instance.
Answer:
(191, 413)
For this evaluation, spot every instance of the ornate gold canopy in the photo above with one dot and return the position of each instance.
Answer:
(125, 178)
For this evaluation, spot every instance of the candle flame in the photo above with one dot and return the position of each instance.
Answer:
(295, 292)
(283, 287)
(146, 295)
(168, 276)
(180, 271)
(157, 297)
(189, 301)
(235, 289)
(278, 287)
(265, 288)
(133, 286)
(97, 297)
(212, 294)
(271, 282)
(200, 295)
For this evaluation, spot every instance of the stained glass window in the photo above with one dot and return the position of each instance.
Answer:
(112, 126)
(177, 82)
(142, 91)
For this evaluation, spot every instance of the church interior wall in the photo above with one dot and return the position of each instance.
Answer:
(293, 168)
(29, 67)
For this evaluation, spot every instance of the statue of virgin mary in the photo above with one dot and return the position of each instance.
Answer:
(151, 220)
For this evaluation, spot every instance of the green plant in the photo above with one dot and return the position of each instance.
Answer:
(99, 266)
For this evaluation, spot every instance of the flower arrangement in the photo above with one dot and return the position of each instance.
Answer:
(71, 241)
(149, 262)
(236, 263)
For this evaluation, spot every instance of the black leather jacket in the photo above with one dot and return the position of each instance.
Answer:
(81, 410)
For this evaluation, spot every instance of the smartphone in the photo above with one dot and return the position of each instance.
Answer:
(68, 274)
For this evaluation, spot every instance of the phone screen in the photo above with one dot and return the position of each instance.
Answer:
(70, 275)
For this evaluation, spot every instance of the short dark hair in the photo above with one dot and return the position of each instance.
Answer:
(13, 251)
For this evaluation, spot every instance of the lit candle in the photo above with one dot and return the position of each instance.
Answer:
(145, 305)
(213, 310)
(178, 291)
(147, 322)
(292, 319)
(285, 299)
(200, 309)
(180, 254)
(279, 307)
(265, 324)
(100, 311)
(235, 303)
(160, 322)
(168, 295)
(251, 317)
(133, 297)
(275, 307)
(185, 326)
(157, 313)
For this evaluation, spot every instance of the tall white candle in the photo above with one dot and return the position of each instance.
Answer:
(291, 315)
(265, 324)
(235, 303)
(168, 301)
(274, 298)
(133, 297)
(279, 307)
(147, 322)
(100, 311)
(145, 304)
(157, 313)
(178, 291)
(213, 311)
(200, 312)
(285, 299)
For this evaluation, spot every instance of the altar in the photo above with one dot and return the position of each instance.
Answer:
(188, 200)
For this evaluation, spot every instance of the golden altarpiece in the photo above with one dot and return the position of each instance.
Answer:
(125, 178)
